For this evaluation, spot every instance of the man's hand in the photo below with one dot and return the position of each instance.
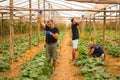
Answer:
(82, 16)
(91, 51)
(40, 19)
(48, 33)
(52, 34)
(40, 11)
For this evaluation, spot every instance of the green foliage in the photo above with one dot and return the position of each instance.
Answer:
(37, 67)
(42, 35)
(20, 46)
(62, 26)
(111, 25)
(113, 35)
(3, 64)
(4, 78)
(4, 46)
(91, 68)
(99, 41)
(39, 78)
(88, 28)
(6, 24)
(82, 47)
(34, 40)
(113, 49)
(23, 78)
(62, 33)
(4, 61)
(21, 40)
(118, 77)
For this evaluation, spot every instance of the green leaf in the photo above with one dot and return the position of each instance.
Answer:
(42, 77)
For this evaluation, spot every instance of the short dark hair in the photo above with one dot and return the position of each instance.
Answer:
(50, 21)
(72, 20)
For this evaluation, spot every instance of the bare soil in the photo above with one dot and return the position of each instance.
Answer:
(113, 64)
(65, 68)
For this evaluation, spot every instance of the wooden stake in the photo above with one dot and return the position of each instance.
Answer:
(30, 24)
(119, 22)
(86, 21)
(110, 22)
(95, 34)
(2, 27)
(49, 12)
(38, 23)
(11, 35)
(104, 28)
(44, 10)
(116, 24)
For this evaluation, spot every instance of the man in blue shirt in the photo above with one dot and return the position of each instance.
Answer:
(95, 50)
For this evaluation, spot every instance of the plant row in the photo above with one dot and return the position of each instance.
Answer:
(91, 68)
(20, 46)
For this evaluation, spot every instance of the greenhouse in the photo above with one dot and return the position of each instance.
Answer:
(59, 40)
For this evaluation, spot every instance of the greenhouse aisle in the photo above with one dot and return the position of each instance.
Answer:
(65, 68)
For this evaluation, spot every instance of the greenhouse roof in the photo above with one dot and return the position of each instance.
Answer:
(59, 9)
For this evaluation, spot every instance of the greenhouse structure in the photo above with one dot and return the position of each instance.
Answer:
(23, 41)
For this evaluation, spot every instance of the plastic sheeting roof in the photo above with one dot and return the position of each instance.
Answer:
(52, 4)
(99, 1)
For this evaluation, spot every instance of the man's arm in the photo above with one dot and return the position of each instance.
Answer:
(55, 35)
(40, 21)
(80, 21)
(91, 51)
